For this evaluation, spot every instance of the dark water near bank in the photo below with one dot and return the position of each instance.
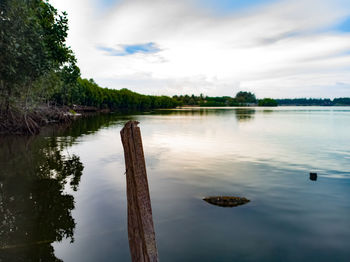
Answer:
(62, 194)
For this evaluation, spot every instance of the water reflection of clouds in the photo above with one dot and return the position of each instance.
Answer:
(279, 139)
(266, 159)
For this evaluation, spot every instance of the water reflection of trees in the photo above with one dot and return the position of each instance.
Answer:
(244, 114)
(35, 211)
(241, 114)
(86, 125)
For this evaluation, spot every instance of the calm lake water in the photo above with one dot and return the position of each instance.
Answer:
(63, 193)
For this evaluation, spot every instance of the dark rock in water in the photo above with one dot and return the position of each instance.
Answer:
(313, 176)
(226, 201)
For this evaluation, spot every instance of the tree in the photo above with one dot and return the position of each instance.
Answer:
(69, 75)
(245, 97)
(32, 44)
(267, 102)
(344, 101)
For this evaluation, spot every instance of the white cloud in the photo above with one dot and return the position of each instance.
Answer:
(279, 50)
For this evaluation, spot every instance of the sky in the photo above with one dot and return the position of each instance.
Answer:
(273, 48)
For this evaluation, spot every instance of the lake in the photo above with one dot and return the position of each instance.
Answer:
(63, 192)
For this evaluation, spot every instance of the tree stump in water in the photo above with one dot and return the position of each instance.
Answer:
(142, 241)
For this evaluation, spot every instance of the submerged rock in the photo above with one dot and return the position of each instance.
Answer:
(226, 201)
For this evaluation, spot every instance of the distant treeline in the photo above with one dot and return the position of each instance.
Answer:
(241, 99)
(248, 99)
(345, 101)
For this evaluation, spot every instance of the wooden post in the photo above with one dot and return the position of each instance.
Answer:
(142, 241)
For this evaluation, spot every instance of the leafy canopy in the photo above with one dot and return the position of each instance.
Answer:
(32, 43)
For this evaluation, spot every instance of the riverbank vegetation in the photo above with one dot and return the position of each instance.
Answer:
(344, 101)
(248, 99)
(241, 99)
(267, 102)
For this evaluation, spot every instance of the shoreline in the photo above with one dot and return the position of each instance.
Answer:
(19, 123)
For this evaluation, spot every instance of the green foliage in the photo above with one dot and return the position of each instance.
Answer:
(69, 75)
(86, 92)
(44, 88)
(72, 111)
(304, 102)
(216, 101)
(241, 99)
(32, 45)
(267, 102)
(343, 101)
(212, 103)
(245, 97)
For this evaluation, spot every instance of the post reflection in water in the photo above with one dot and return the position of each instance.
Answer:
(34, 209)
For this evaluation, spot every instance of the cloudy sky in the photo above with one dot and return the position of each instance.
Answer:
(274, 48)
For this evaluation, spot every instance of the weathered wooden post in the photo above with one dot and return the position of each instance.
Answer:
(141, 234)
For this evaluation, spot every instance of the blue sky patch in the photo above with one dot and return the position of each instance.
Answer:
(228, 6)
(345, 25)
(124, 50)
(106, 4)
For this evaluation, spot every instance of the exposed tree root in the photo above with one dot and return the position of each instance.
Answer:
(14, 121)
